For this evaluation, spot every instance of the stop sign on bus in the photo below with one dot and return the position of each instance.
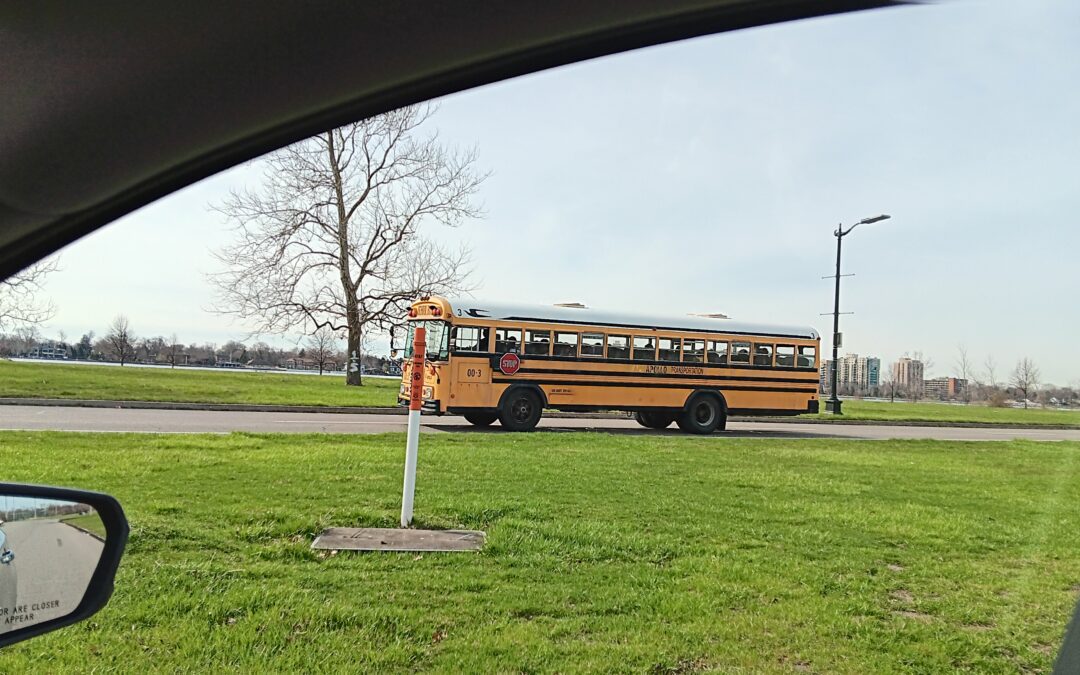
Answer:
(509, 363)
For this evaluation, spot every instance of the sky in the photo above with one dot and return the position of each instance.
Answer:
(709, 175)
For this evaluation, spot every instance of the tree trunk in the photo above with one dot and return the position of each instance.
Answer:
(352, 351)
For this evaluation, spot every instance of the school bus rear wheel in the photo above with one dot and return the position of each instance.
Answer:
(481, 419)
(703, 415)
(520, 410)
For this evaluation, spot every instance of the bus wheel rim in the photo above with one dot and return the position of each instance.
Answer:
(522, 409)
(704, 413)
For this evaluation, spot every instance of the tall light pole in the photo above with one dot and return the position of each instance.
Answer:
(833, 404)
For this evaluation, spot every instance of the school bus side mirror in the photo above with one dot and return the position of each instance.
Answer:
(59, 551)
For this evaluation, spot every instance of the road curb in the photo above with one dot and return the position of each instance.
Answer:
(376, 410)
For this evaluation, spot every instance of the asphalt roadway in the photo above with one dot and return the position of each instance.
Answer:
(207, 421)
(50, 572)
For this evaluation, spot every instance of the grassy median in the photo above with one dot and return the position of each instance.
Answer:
(605, 553)
(81, 381)
(903, 411)
(84, 381)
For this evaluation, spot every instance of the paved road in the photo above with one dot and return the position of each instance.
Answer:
(51, 570)
(201, 421)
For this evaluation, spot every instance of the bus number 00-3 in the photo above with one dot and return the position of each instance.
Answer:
(472, 372)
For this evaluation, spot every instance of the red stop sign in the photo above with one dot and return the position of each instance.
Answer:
(509, 363)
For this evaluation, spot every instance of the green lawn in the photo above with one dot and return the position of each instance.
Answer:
(46, 380)
(605, 553)
(90, 523)
(37, 380)
(942, 412)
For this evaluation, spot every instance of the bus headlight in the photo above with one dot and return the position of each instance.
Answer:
(429, 393)
(403, 392)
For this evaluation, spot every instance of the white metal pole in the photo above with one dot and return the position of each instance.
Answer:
(411, 444)
(412, 439)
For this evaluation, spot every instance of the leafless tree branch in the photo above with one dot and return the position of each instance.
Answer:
(333, 239)
(20, 296)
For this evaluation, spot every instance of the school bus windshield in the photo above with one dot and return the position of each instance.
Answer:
(438, 339)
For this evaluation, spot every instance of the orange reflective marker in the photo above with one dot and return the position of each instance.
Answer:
(412, 439)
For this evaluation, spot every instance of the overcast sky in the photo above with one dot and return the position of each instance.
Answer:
(709, 175)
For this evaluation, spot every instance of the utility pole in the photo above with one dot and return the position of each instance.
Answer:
(833, 404)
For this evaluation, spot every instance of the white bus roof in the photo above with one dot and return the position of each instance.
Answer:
(470, 308)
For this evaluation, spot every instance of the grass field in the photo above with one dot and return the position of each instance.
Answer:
(37, 380)
(941, 412)
(605, 553)
(90, 523)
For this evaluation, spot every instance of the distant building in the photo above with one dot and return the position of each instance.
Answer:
(908, 373)
(853, 371)
(50, 349)
(873, 371)
(944, 388)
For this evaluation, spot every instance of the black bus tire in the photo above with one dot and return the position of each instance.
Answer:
(520, 410)
(654, 420)
(481, 418)
(703, 415)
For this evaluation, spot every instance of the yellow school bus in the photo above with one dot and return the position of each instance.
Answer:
(495, 361)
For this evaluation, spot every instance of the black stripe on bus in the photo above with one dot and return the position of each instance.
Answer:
(675, 376)
(651, 385)
(637, 362)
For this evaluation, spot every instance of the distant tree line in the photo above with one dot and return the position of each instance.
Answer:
(120, 344)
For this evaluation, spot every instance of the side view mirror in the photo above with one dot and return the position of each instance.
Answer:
(59, 551)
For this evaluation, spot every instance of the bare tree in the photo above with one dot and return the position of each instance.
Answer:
(990, 370)
(1025, 378)
(173, 350)
(888, 384)
(966, 371)
(27, 337)
(120, 339)
(333, 238)
(321, 346)
(20, 296)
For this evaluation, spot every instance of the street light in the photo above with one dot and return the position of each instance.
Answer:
(833, 404)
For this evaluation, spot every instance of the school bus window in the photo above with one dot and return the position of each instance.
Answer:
(693, 351)
(565, 344)
(763, 355)
(471, 338)
(592, 344)
(740, 352)
(785, 355)
(507, 340)
(618, 347)
(717, 352)
(644, 349)
(538, 342)
(669, 349)
(807, 356)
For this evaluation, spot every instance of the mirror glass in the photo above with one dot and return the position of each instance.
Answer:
(49, 549)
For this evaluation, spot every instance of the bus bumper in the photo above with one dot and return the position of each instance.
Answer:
(431, 407)
(813, 406)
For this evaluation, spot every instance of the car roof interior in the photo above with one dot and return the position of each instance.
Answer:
(109, 106)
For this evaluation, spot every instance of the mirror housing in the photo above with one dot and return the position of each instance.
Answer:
(41, 588)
